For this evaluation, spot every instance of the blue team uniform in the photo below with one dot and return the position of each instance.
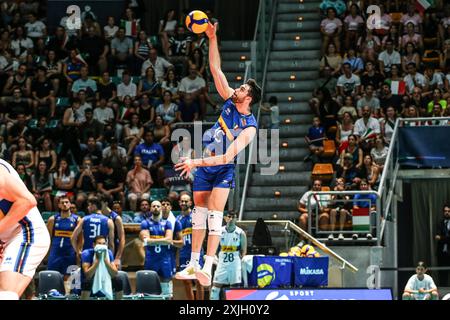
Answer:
(94, 225)
(87, 256)
(186, 233)
(216, 141)
(158, 258)
(62, 255)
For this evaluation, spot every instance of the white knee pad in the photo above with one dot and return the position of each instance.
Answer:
(8, 295)
(199, 217)
(215, 222)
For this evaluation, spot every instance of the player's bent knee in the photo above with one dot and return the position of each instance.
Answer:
(8, 295)
(215, 219)
(199, 217)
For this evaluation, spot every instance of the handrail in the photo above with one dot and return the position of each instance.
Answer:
(305, 234)
(260, 6)
(263, 84)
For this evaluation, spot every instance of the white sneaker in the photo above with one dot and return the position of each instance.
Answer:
(369, 236)
(341, 236)
(354, 236)
(330, 237)
(203, 277)
(187, 274)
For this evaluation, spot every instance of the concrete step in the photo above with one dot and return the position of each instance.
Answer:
(269, 191)
(268, 215)
(318, 2)
(230, 46)
(300, 108)
(293, 154)
(295, 97)
(284, 26)
(286, 75)
(291, 17)
(292, 118)
(304, 35)
(296, 6)
(290, 86)
(301, 55)
(235, 55)
(255, 204)
(282, 179)
(291, 65)
(307, 44)
(233, 66)
(294, 131)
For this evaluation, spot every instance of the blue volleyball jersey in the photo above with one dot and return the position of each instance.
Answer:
(186, 233)
(157, 230)
(94, 225)
(62, 232)
(230, 124)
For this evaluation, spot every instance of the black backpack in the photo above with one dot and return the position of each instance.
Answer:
(261, 234)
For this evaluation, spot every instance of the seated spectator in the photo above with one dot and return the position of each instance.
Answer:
(64, 179)
(179, 49)
(366, 200)
(168, 110)
(43, 95)
(96, 49)
(348, 107)
(133, 134)
(188, 109)
(110, 30)
(126, 87)
(318, 204)
(90, 262)
(106, 89)
(420, 286)
(121, 50)
(366, 128)
(149, 86)
(340, 206)
(315, 137)
(411, 17)
(21, 45)
(353, 25)
(161, 133)
(331, 28)
(139, 182)
(110, 183)
(131, 25)
(414, 79)
(387, 99)
(91, 128)
(86, 84)
(103, 113)
(437, 99)
(23, 155)
(72, 69)
(114, 154)
(144, 206)
(146, 111)
(24, 176)
(379, 153)
(444, 56)
(348, 84)
(385, 21)
(167, 29)
(410, 56)
(86, 184)
(159, 64)
(370, 172)
(152, 155)
(371, 77)
(123, 116)
(387, 124)
(338, 5)
(35, 28)
(417, 99)
(171, 84)
(388, 58)
(356, 63)
(47, 154)
(19, 80)
(411, 37)
(326, 108)
(15, 106)
(117, 207)
(344, 130)
(434, 78)
(89, 20)
(331, 62)
(197, 59)
(351, 147)
(369, 99)
(93, 151)
(42, 182)
(142, 48)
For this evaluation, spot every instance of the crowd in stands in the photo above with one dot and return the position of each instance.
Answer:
(371, 74)
(90, 112)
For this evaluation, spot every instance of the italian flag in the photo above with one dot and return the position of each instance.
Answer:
(361, 219)
(131, 27)
(369, 134)
(123, 112)
(398, 87)
(80, 57)
(422, 5)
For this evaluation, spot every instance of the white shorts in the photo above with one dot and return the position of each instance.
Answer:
(25, 249)
(228, 273)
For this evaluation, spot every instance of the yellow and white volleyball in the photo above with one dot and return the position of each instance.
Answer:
(265, 275)
(306, 249)
(197, 21)
(295, 251)
(313, 254)
(284, 254)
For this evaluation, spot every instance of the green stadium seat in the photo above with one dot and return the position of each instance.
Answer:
(116, 80)
(157, 194)
(74, 168)
(176, 213)
(46, 215)
(62, 102)
(33, 123)
(81, 213)
(53, 123)
(130, 213)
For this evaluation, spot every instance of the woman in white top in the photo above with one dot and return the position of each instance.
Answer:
(64, 180)
(168, 110)
(353, 24)
(133, 133)
(166, 29)
(21, 44)
(349, 107)
(345, 129)
(110, 29)
(379, 152)
(410, 55)
(171, 84)
(387, 124)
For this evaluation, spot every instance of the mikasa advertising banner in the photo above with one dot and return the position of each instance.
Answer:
(311, 272)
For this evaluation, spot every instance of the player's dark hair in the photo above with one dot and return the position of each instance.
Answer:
(96, 202)
(255, 91)
(421, 264)
(166, 200)
(99, 237)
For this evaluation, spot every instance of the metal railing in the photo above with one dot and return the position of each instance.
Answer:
(264, 41)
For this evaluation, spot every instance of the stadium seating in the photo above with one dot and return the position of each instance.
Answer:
(147, 282)
(49, 280)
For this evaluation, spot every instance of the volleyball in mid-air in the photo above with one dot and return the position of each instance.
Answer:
(197, 21)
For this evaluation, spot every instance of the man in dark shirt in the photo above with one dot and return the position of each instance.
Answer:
(15, 106)
(110, 183)
(371, 77)
(349, 172)
(106, 89)
(387, 99)
(97, 50)
(20, 128)
(93, 152)
(44, 102)
(189, 108)
(58, 44)
(152, 155)
(91, 128)
(180, 44)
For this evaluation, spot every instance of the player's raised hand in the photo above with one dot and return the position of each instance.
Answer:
(185, 166)
(211, 31)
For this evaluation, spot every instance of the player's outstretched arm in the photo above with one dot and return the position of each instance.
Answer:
(244, 138)
(220, 80)
(13, 190)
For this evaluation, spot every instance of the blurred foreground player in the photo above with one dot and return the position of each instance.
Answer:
(233, 246)
(234, 130)
(24, 238)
